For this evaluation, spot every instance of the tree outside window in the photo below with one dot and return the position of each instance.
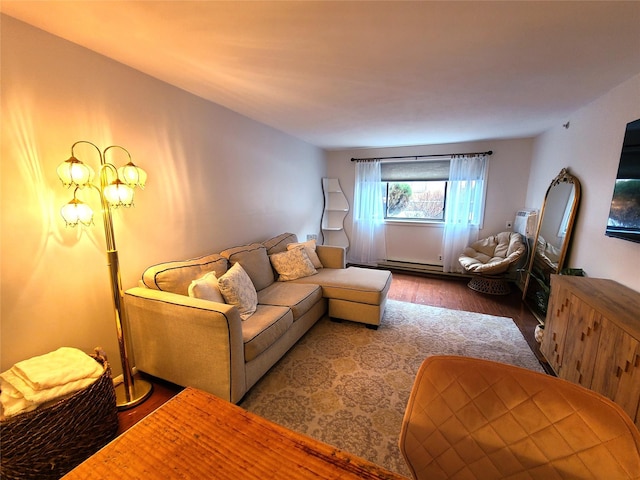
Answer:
(416, 200)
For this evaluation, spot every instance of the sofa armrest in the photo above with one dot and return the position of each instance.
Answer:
(331, 256)
(187, 341)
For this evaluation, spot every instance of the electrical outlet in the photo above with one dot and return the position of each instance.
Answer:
(312, 236)
(440, 257)
(509, 224)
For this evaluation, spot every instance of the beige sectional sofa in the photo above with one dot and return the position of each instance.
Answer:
(221, 347)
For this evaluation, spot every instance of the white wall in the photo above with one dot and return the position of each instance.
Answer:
(506, 193)
(591, 148)
(216, 179)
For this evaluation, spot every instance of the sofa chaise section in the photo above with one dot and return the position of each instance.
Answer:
(354, 293)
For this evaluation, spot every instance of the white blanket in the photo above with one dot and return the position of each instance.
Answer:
(57, 368)
(41, 379)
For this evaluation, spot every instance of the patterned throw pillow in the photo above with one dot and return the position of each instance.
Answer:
(310, 249)
(238, 290)
(292, 264)
(206, 288)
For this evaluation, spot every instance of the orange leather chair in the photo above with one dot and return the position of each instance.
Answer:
(475, 419)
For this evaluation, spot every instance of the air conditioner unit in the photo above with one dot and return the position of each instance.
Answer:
(526, 222)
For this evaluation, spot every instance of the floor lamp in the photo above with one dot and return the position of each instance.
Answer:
(116, 190)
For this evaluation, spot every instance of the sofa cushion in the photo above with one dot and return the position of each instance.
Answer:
(254, 261)
(300, 298)
(354, 284)
(310, 249)
(238, 290)
(292, 264)
(206, 288)
(175, 277)
(263, 328)
(279, 244)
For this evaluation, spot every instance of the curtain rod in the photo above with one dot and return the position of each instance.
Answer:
(490, 152)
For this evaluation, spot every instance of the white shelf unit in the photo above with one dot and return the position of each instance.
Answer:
(335, 210)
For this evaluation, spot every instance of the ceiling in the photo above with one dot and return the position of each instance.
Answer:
(342, 74)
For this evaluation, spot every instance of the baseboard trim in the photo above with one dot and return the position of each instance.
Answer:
(117, 380)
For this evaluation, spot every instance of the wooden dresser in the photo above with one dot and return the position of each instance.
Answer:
(592, 337)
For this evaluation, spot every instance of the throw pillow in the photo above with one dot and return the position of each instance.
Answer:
(292, 264)
(310, 249)
(206, 288)
(238, 290)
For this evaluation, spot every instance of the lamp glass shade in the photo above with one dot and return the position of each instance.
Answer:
(119, 194)
(76, 212)
(74, 172)
(132, 175)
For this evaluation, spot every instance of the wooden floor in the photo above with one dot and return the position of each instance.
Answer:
(437, 291)
(162, 391)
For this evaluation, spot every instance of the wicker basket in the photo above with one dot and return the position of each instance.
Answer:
(48, 442)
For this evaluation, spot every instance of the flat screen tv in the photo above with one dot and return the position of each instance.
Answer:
(624, 215)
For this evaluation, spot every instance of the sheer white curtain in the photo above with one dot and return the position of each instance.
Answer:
(465, 207)
(368, 242)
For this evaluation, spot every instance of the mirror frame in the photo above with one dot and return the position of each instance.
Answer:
(564, 177)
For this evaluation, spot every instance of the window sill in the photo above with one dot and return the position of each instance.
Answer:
(414, 223)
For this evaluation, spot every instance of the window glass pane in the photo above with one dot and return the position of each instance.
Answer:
(416, 200)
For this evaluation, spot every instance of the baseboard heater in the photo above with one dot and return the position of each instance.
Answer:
(414, 267)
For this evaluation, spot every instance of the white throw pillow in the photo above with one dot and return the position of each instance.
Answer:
(310, 249)
(292, 264)
(206, 288)
(238, 290)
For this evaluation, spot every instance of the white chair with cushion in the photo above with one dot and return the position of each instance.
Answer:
(492, 260)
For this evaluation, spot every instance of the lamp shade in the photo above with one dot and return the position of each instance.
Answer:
(119, 194)
(76, 212)
(132, 175)
(74, 172)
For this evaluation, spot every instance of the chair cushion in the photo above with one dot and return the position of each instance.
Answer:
(493, 255)
(477, 419)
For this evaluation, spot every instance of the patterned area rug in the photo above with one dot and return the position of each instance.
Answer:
(348, 386)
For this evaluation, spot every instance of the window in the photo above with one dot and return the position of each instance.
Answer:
(416, 200)
(416, 190)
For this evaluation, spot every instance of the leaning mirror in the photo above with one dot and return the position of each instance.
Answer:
(552, 239)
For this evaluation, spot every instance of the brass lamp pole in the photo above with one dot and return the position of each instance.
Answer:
(116, 189)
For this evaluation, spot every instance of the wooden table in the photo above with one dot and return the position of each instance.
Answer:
(198, 435)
